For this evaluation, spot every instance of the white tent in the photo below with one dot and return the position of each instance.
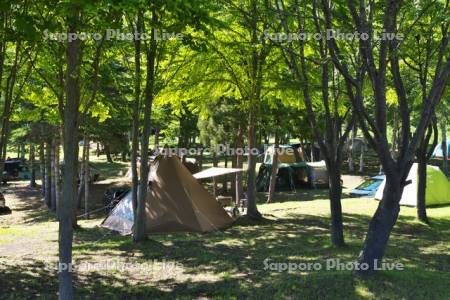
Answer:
(437, 192)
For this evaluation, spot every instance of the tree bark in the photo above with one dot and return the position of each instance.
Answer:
(421, 188)
(32, 167)
(42, 168)
(335, 194)
(53, 175)
(214, 158)
(444, 147)
(361, 158)
(57, 172)
(86, 176)
(139, 233)
(48, 176)
(252, 210)
(68, 203)
(380, 227)
(274, 171)
(239, 164)
(394, 147)
(423, 156)
(351, 150)
(135, 128)
(108, 153)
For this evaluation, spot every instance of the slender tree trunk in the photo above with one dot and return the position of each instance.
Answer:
(108, 153)
(273, 174)
(225, 177)
(444, 148)
(239, 164)
(361, 158)
(42, 168)
(252, 210)
(68, 203)
(351, 150)
(200, 159)
(135, 128)
(233, 178)
(139, 232)
(214, 158)
(98, 150)
(156, 139)
(335, 194)
(32, 167)
(421, 188)
(57, 172)
(48, 176)
(86, 176)
(22, 152)
(380, 226)
(394, 147)
(80, 180)
(53, 175)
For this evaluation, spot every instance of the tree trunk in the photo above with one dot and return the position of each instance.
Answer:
(335, 193)
(394, 147)
(42, 168)
(214, 158)
(86, 177)
(71, 109)
(139, 233)
(48, 176)
(108, 153)
(135, 128)
(273, 174)
(380, 226)
(57, 171)
(351, 150)
(200, 159)
(361, 158)
(239, 164)
(32, 167)
(80, 179)
(421, 187)
(225, 177)
(22, 152)
(233, 178)
(444, 148)
(98, 150)
(156, 139)
(53, 175)
(252, 210)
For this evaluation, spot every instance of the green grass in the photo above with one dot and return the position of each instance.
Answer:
(230, 263)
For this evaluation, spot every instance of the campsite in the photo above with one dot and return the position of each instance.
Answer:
(227, 149)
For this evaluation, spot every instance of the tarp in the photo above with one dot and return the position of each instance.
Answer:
(437, 192)
(175, 202)
(214, 172)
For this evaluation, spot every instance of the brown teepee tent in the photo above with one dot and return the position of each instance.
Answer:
(176, 202)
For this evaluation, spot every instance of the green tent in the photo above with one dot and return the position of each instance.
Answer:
(437, 192)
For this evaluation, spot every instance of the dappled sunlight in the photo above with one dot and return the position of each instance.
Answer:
(229, 261)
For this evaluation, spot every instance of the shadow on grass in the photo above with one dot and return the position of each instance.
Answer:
(231, 264)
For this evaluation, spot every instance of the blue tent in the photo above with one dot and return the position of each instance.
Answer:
(437, 153)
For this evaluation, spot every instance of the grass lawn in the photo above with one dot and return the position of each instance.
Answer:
(228, 264)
